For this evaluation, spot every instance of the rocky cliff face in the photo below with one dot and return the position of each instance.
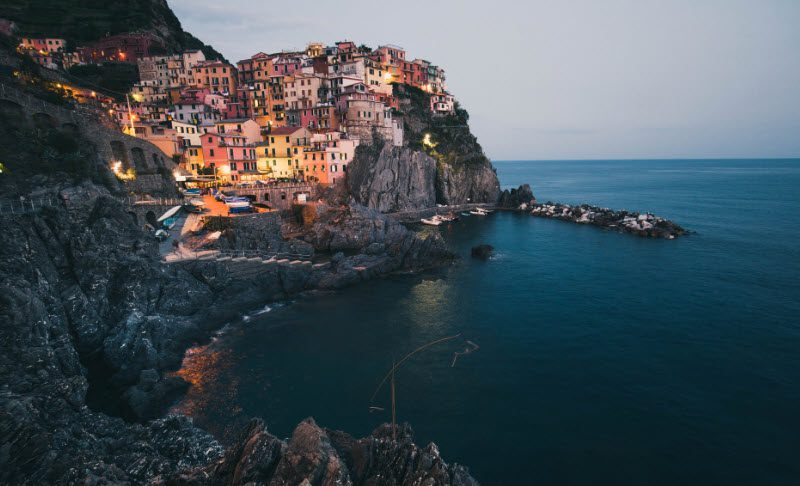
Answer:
(392, 179)
(449, 168)
(466, 183)
(88, 309)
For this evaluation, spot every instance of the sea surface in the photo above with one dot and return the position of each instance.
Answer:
(603, 358)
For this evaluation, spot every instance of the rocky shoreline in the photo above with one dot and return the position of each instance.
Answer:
(82, 286)
(645, 225)
(641, 224)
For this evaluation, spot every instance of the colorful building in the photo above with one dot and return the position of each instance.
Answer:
(282, 151)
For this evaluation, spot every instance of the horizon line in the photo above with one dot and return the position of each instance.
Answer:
(633, 159)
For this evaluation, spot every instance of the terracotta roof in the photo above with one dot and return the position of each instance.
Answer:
(284, 130)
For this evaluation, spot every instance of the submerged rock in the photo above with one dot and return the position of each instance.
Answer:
(482, 252)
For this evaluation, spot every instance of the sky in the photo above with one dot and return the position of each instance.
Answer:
(568, 79)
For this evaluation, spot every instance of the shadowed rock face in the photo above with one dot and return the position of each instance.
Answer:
(393, 179)
(82, 287)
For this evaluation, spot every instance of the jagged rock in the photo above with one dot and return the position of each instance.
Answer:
(393, 179)
(316, 456)
(378, 459)
(474, 181)
(516, 198)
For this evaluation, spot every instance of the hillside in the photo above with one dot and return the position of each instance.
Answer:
(83, 21)
(441, 162)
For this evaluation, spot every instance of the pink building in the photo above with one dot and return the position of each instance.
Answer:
(46, 45)
(229, 156)
(326, 159)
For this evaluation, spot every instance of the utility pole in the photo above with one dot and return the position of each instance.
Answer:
(130, 114)
(390, 377)
(394, 409)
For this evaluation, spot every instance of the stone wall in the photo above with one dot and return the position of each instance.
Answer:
(278, 196)
(153, 167)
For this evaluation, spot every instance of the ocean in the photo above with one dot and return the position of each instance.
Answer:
(603, 358)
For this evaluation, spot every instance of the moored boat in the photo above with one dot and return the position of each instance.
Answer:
(434, 221)
(169, 213)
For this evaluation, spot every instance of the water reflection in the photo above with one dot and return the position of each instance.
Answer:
(427, 304)
(213, 387)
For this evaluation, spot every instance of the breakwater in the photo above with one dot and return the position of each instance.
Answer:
(640, 224)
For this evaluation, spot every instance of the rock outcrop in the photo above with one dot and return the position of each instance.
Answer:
(482, 252)
(440, 163)
(519, 198)
(89, 314)
(392, 179)
(315, 455)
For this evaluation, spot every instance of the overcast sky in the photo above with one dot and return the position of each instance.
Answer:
(568, 79)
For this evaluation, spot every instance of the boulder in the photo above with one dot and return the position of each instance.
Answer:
(482, 252)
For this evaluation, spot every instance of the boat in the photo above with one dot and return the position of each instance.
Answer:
(478, 212)
(195, 191)
(464, 213)
(161, 235)
(240, 209)
(237, 204)
(170, 213)
(448, 218)
(195, 205)
(434, 221)
(169, 223)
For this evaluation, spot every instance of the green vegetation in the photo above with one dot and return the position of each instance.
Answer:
(83, 21)
(113, 78)
(449, 138)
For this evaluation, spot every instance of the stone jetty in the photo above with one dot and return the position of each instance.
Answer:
(641, 224)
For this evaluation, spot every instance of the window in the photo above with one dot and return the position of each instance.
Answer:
(211, 152)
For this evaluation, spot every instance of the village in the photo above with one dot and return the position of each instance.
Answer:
(272, 118)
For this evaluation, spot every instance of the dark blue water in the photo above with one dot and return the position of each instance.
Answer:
(604, 358)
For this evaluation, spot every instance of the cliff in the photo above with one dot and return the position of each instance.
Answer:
(441, 162)
(83, 21)
(392, 179)
(91, 316)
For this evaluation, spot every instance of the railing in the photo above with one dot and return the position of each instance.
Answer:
(184, 255)
(264, 254)
(27, 205)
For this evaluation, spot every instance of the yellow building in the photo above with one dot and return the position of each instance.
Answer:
(282, 151)
(193, 159)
